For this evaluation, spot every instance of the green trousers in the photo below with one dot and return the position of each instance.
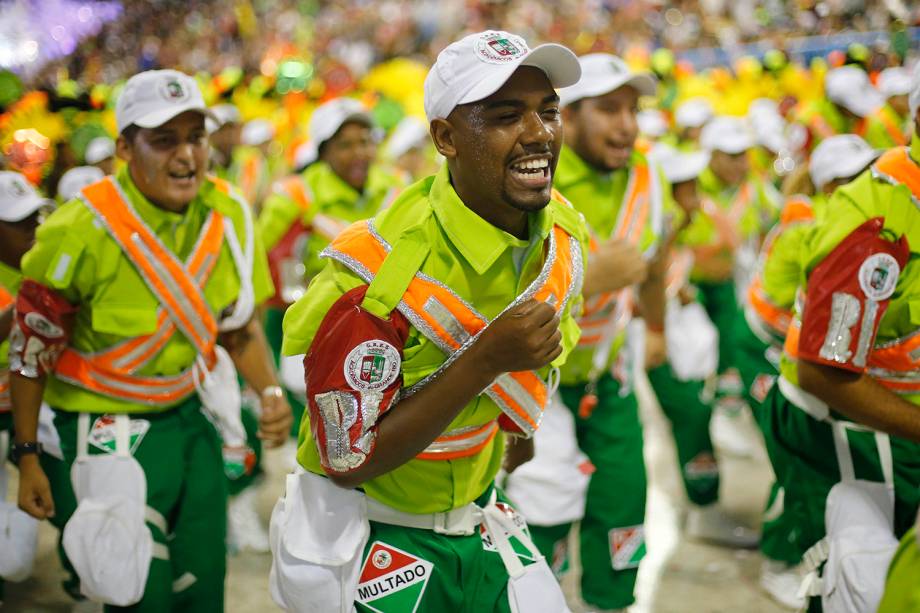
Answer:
(243, 469)
(180, 453)
(719, 301)
(757, 372)
(810, 470)
(411, 570)
(612, 534)
(682, 402)
(275, 333)
(902, 589)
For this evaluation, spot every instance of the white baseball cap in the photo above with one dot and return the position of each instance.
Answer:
(602, 73)
(726, 134)
(225, 113)
(693, 113)
(678, 166)
(849, 87)
(18, 199)
(409, 133)
(76, 179)
(652, 122)
(328, 118)
(476, 66)
(257, 132)
(98, 149)
(894, 82)
(150, 99)
(770, 131)
(839, 157)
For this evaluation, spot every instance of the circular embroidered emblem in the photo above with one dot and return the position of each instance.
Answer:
(878, 276)
(17, 188)
(43, 326)
(173, 91)
(500, 48)
(372, 366)
(382, 559)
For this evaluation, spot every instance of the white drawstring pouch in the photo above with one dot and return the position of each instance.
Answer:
(18, 530)
(220, 396)
(318, 532)
(532, 588)
(692, 341)
(107, 539)
(550, 489)
(860, 541)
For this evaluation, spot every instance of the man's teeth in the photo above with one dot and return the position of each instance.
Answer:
(531, 166)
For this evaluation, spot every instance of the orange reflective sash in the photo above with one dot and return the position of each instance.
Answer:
(323, 225)
(897, 135)
(678, 274)
(177, 286)
(896, 167)
(451, 323)
(820, 126)
(6, 299)
(761, 312)
(614, 308)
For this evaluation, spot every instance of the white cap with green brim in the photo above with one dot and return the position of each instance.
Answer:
(478, 65)
(150, 99)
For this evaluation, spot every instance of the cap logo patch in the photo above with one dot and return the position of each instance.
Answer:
(172, 91)
(498, 48)
(17, 189)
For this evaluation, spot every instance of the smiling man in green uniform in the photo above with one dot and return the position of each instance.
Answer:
(409, 390)
(306, 211)
(849, 365)
(127, 292)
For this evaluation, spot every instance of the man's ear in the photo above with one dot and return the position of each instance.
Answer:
(442, 134)
(123, 148)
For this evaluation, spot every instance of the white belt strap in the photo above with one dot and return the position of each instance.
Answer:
(458, 522)
(501, 528)
(809, 403)
(845, 456)
(122, 435)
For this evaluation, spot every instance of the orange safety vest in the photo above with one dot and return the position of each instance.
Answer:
(895, 363)
(767, 319)
(451, 323)
(6, 302)
(605, 315)
(179, 289)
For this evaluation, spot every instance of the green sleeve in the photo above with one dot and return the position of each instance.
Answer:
(261, 277)
(279, 213)
(303, 318)
(61, 257)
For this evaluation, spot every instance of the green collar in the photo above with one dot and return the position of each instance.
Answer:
(478, 241)
(154, 216)
(572, 169)
(915, 147)
(328, 186)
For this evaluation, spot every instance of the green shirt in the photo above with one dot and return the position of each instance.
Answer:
(782, 270)
(332, 196)
(599, 197)
(10, 280)
(477, 261)
(822, 108)
(74, 255)
(875, 129)
(852, 205)
(757, 217)
(902, 590)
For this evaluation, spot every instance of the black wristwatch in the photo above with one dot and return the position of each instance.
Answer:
(21, 449)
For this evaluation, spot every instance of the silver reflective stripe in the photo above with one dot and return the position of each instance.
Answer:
(154, 517)
(173, 384)
(462, 444)
(446, 319)
(160, 551)
(521, 396)
(185, 581)
(178, 295)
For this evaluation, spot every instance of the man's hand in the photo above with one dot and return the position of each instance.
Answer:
(615, 265)
(518, 450)
(525, 338)
(275, 420)
(34, 489)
